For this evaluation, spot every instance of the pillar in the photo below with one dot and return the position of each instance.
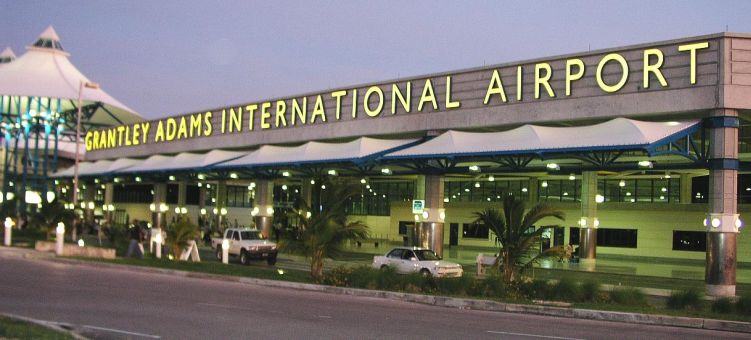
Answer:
(88, 197)
(685, 196)
(182, 193)
(263, 208)
(533, 191)
(158, 212)
(221, 204)
(722, 217)
(588, 221)
(109, 191)
(202, 205)
(431, 224)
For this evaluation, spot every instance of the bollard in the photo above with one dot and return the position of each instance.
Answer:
(158, 240)
(60, 231)
(225, 251)
(8, 228)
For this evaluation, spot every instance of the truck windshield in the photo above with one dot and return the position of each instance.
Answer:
(426, 255)
(250, 235)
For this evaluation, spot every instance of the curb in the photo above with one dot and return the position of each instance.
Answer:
(441, 301)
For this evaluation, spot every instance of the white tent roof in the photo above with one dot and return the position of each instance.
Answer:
(65, 149)
(46, 72)
(6, 54)
(185, 160)
(98, 168)
(619, 132)
(317, 152)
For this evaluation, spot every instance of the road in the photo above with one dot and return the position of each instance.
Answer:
(118, 304)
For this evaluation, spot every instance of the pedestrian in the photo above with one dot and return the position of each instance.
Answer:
(136, 236)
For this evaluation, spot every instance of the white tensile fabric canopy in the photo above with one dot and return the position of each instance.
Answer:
(65, 149)
(100, 167)
(317, 152)
(619, 132)
(45, 71)
(183, 161)
(6, 56)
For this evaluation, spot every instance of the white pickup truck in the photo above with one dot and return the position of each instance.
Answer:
(417, 260)
(247, 244)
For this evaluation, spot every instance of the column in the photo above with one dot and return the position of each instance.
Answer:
(685, 197)
(182, 193)
(159, 207)
(533, 191)
(263, 209)
(109, 191)
(88, 198)
(722, 218)
(588, 222)
(202, 205)
(221, 204)
(432, 220)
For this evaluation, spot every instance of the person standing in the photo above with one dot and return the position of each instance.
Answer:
(136, 234)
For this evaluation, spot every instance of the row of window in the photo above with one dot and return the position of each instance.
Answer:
(375, 198)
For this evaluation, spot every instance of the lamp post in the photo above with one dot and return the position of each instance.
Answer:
(81, 85)
(60, 231)
(8, 227)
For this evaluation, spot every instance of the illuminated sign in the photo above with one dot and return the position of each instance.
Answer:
(432, 94)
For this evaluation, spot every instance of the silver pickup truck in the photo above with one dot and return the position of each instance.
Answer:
(247, 244)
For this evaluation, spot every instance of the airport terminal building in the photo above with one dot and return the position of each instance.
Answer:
(644, 147)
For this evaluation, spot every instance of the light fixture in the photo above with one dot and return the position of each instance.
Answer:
(477, 184)
(215, 211)
(91, 205)
(60, 228)
(233, 175)
(622, 183)
(491, 178)
(645, 164)
(177, 210)
(332, 172)
(254, 212)
(442, 215)
(386, 171)
(599, 198)
(203, 211)
(285, 174)
(445, 199)
(553, 166)
(284, 187)
(466, 189)
(417, 218)
(628, 193)
(201, 177)
(363, 181)
(200, 184)
(544, 184)
(738, 223)
(474, 168)
(270, 210)
(716, 222)
(138, 179)
(312, 181)
(323, 186)
(223, 211)
(524, 190)
(425, 214)
(152, 207)
(171, 178)
(664, 189)
(571, 177)
(208, 186)
(367, 186)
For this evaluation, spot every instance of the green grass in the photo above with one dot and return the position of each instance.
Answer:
(16, 329)
(260, 270)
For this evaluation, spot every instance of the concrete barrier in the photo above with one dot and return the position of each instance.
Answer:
(75, 250)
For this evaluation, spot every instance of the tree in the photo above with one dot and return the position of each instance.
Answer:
(515, 236)
(323, 231)
(49, 215)
(179, 233)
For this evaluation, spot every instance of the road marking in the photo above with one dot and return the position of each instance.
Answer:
(225, 306)
(534, 335)
(122, 332)
(325, 317)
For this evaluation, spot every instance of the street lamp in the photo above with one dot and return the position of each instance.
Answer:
(81, 85)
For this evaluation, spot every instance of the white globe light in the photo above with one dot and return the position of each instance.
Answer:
(270, 210)
(716, 222)
(738, 223)
(599, 198)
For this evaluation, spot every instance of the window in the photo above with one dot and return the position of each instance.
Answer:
(573, 236)
(193, 195)
(138, 193)
(396, 253)
(619, 238)
(484, 190)
(408, 254)
(689, 240)
(475, 230)
(236, 236)
(172, 193)
(404, 225)
(375, 198)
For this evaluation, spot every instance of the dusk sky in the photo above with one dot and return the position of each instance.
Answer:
(170, 57)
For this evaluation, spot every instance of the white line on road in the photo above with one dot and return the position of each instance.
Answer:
(225, 306)
(325, 317)
(122, 332)
(534, 335)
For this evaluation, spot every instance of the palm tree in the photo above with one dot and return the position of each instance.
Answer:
(324, 230)
(515, 236)
(179, 233)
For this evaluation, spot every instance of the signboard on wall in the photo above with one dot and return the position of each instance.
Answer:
(418, 206)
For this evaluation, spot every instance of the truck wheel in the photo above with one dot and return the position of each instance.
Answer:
(271, 260)
(244, 258)
(425, 273)
(219, 252)
(384, 267)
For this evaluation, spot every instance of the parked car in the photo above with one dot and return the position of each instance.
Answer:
(247, 244)
(418, 260)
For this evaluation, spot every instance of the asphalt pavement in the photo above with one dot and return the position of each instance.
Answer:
(106, 303)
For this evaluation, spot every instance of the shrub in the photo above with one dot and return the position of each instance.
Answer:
(743, 304)
(454, 285)
(590, 291)
(722, 305)
(685, 299)
(492, 286)
(340, 276)
(628, 296)
(363, 277)
(566, 290)
(536, 289)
